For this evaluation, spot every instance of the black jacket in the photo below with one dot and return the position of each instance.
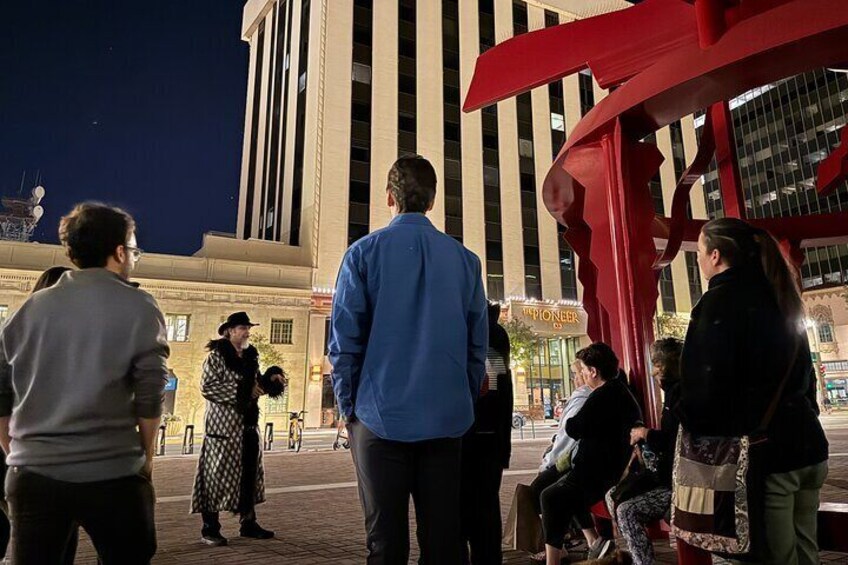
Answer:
(663, 441)
(737, 351)
(491, 432)
(603, 427)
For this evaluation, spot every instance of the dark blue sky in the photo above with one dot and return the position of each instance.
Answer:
(140, 104)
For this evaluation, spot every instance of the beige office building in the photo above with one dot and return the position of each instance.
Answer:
(338, 89)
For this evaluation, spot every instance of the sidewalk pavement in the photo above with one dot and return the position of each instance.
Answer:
(313, 507)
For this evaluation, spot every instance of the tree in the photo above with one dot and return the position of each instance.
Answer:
(669, 324)
(268, 354)
(523, 343)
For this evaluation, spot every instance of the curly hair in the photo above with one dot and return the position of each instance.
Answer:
(665, 354)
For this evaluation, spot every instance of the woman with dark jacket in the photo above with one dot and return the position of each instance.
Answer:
(745, 337)
(486, 450)
(634, 514)
(602, 426)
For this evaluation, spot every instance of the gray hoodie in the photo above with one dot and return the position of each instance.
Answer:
(80, 362)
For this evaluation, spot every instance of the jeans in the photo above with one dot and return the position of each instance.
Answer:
(389, 472)
(117, 514)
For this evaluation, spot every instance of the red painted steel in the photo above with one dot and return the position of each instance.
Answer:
(671, 59)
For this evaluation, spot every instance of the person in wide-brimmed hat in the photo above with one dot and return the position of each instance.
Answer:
(230, 475)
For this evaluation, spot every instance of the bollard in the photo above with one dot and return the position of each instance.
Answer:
(521, 430)
(188, 440)
(269, 436)
(160, 440)
(533, 428)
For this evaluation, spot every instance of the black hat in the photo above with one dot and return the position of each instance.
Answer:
(237, 319)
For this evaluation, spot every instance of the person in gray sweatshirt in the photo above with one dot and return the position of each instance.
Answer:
(82, 374)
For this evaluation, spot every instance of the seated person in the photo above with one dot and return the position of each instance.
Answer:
(602, 427)
(557, 459)
(634, 514)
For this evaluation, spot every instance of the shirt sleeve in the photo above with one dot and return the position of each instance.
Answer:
(150, 365)
(478, 334)
(350, 325)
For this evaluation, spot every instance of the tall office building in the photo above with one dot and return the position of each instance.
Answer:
(338, 89)
(783, 131)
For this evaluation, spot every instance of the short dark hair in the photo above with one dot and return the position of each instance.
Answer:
(600, 356)
(665, 353)
(412, 182)
(92, 231)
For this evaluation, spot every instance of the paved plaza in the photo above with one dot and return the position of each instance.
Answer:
(313, 507)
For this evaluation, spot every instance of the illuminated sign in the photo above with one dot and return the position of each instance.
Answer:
(556, 318)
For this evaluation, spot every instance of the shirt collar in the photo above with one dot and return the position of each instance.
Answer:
(411, 218)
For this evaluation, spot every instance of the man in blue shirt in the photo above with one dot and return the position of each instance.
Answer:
(408, 342)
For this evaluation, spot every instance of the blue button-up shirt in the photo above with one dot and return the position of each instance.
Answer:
(409, 332)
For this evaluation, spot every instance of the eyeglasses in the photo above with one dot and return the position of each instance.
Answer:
(135, 252)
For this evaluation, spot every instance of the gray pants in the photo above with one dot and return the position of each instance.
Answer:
(389, 472)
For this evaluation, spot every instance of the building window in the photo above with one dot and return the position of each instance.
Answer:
(525, 148)
(178, 326)
(557, 122)
(281, 332)
(825, 333)
(694, 273)
(4, 313)
(667, 290)
(362, 73)
(300, 124)
(359, 197)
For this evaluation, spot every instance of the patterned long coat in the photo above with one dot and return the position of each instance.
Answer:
(219, 469)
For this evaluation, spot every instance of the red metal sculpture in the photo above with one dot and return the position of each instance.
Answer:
(669, 58)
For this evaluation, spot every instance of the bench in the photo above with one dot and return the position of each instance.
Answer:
(832, 518)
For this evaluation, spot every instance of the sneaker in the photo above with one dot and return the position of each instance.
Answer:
(215, 540)
(255, 531)
(541, 558)
(600, 548)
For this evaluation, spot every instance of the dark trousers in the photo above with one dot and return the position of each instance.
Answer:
(212, 522)
(247, 487)
(388, 473)
(481, 504)
(568, 498)
(117, 514)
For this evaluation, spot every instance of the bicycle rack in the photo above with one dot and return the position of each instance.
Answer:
(188, 440)
(269, 436)
(160, 440)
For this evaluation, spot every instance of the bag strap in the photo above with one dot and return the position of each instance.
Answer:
(775, 402)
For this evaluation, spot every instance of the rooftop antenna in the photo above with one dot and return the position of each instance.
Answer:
(21, 214)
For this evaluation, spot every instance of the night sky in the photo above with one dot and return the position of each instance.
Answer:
(139, 104)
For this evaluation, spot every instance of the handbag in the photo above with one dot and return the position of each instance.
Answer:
(717, 486)
(638, 478)
(523, 526)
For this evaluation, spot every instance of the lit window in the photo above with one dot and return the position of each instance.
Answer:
(178, 325)
(557, 122)
(362, 73)
(281, 332)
